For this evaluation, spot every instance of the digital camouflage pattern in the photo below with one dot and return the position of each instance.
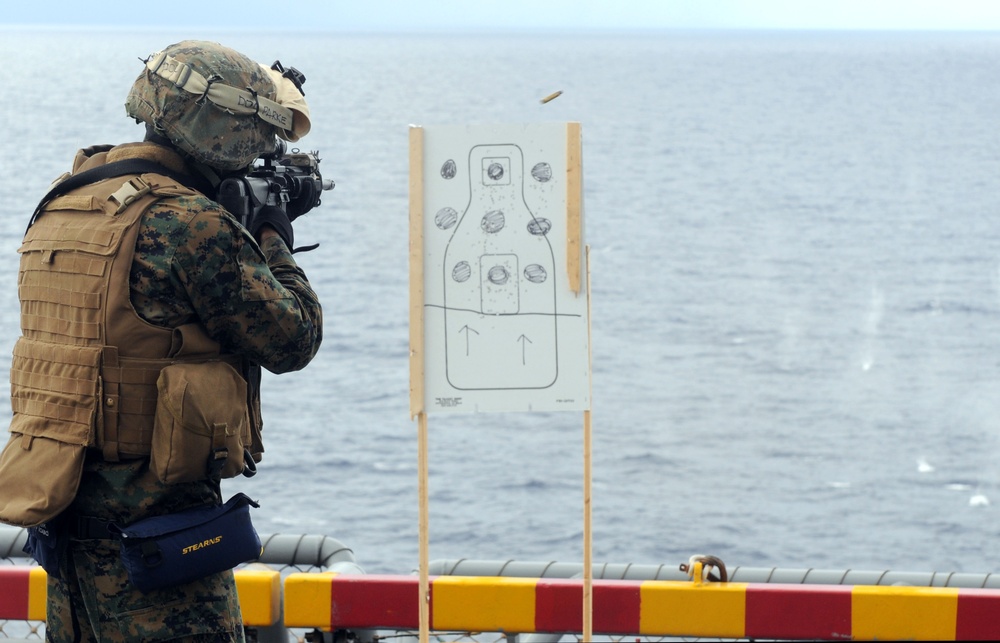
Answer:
(193, 262)
(209, 133)
(94, 601)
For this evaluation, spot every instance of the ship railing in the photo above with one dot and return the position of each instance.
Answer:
(310, 588)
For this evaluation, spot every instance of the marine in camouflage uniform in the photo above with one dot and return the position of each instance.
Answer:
(193, 263)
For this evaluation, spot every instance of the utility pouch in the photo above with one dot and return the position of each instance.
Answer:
(202, 426)
(179, 548)
(55, 396)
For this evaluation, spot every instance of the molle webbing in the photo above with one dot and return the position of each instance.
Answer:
(55, 385)
(129, 404)
(87, 364)
(130, 393)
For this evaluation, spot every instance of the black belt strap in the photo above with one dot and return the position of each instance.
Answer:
(88, 528)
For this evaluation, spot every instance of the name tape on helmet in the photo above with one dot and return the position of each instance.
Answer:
(239, 101)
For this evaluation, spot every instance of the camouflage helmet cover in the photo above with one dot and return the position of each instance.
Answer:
(226, 137)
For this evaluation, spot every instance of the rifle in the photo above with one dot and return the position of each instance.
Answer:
(290, 181)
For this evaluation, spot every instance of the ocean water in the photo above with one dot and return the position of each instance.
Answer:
(795, 288)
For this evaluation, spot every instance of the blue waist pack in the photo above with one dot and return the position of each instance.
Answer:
(172, 550)
(46, 543)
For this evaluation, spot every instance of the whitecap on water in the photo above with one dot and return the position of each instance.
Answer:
(391, 466)
(979, 500)
(923, 466)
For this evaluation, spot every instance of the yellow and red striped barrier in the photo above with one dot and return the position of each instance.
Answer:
(646, 608)
(23, 592)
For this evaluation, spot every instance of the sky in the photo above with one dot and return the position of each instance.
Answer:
(528, 15)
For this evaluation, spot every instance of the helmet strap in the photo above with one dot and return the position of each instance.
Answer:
(233, 99)
(209, 173)
(197, 168)
(153, 135)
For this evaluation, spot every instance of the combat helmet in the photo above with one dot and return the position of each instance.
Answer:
(217, 105)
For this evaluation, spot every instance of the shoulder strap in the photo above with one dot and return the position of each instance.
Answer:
(119, 168)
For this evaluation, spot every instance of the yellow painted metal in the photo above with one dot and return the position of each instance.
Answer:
(308, 598)
(914, 613)
(37, 594)
(697, 573)
(260, 595)
(689, 609)
(483, 604)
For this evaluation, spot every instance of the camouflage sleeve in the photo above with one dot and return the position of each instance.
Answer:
(254, 301)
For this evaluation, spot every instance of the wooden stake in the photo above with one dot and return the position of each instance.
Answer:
(417, 364)
(588, 574)
(574, 202)
(416, 271)
(588, 580)
(423, 524)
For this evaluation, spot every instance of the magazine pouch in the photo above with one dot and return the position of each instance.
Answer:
(202, 426)
(164, 551)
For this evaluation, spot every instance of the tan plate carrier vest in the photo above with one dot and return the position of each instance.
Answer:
(85, 369)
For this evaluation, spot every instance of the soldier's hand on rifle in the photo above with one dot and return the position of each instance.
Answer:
(271, 217)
